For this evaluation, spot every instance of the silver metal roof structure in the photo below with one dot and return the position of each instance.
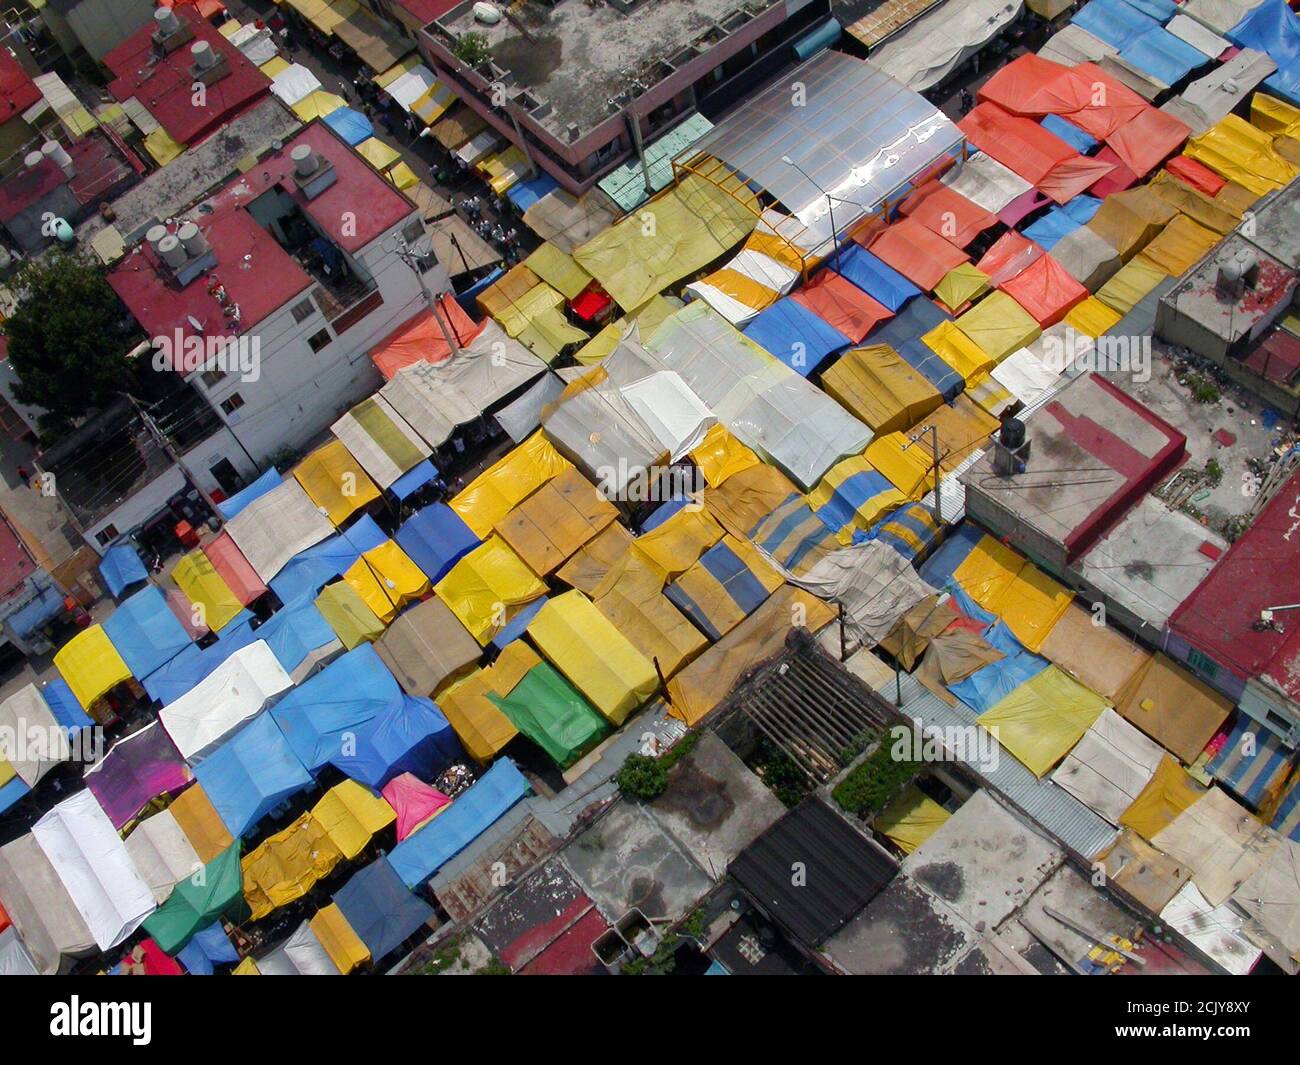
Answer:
(849, 131)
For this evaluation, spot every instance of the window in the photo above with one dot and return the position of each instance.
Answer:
(1202, 664)
(319, 339)
(107, 535)
(303, 310)
(212, 377)
(233, 403)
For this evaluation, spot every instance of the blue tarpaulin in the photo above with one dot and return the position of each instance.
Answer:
(294, 631)
(194, 663)
(63, 704)
(986, 687)
(352, 126)
(1162, 55)
(910, 530)
(31, 616)
(1077, 138)
(467, 298)
(121, 567)
(435, 539)
(1274, 28)
(1051, 227)
(1160, 10)
(523, 194)
(308, 571)
(1082, 207)
(145, 632)
(409, 735)
(922, 358)
(795, 335)
(421, 855)
(250, 774)
(1114, 21)
(877, 279)
(734, 579)
(514, 628)
(13, 791)
(209, 947)
(232, 506)
(380, 908)
(792, 532)
(850, 496)
(663, 512)
(938, 569)
(1249, 775)
(413, 479)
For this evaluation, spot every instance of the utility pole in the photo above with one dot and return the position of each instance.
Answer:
(161, 439)
(934, 467)
(407, 256)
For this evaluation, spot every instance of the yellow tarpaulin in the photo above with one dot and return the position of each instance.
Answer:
(433, 104)
(1009, 585)
(748, 497)
(91, 665)
(1127, 220)
(247, 967)
(677, 544)
(866, 511)
(558, 270)
(556, 521)
(1041, 720)
(958, 350)
(503, 486)
(1180, 244)
(1273, 116)
(714, 603)
(1238, 151)
(335, 481)
(386, 580)
(910, 819)
(548, 333)
(481, 726)
(275, 66)
(402, 176)
(325, 15)
(6, 772)
(351, 618)
(653, 625)
(907, 465)
(486, 588)
(988, 394)
(160, 145)
(1200, 208)
(201, 823)
(341, 943)
(1129, 284)
(720, 454)
(599, 660)
(680, 231)
(206, 589)
(877, 385)
(318, 104)
(350, 815)
(287, 865)
(960, 285)
(516, 312)
(394, 72)
(1092, 317)
(1169, 792)
(377, 153)
(998, 325)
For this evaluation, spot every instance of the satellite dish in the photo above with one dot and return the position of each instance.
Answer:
(198, 326)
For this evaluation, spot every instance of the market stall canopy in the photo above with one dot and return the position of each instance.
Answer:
(135, 770)
(41, 908)
(277, 526)
(426, 646)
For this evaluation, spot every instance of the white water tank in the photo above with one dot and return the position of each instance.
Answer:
(54, 150)
(33, 160)
(488, 14)
(154, 236)
(204, 57)
(172, 253)
(192, 240)
(166, 21)
(304, 160)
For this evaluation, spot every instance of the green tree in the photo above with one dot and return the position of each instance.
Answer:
(68, 339)
(472, 49)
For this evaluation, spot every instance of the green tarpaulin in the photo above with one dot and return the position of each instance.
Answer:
(197, 901)
(551, 713)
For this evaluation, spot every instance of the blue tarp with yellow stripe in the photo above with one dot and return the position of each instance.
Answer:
(852, 496)
(728, 583)
(1249, 774)
(910, 530)
(792, 534)
(1287, 819)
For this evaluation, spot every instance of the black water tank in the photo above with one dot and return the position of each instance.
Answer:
(1013, 433)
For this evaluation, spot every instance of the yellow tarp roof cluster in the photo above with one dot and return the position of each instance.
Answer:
(1132, 281)
(998, 325)
(720, 454)
(486, 588)
(287, 865)
(1169, 792)
(335, 481)
(503, 486)
(91, 665)
(1043, 718)
(350, 616)
(341, 943)
(958, 350)
(556, 520)
(1236, 150)
(1091, 317)
(206, 589)
(877, 385)
(386, 580)
(481, 726)
(558, 270)
(1009, 585)
(350, 815)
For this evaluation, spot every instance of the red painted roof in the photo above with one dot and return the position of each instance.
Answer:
(259, 275)
(99, 167)
(1262, 569)
(17, 90)
(429, 10)
(16, 564)
(27, 187)
(165, 88)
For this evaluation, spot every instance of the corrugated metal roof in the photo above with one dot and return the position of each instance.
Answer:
(1058, 812)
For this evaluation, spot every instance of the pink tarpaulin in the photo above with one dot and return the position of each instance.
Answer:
(184, 611)
(234, 569)
(1020, 144)
(1010, 255)
(1148, 140)
(413, 801)
(1069, 178)
(1024, 204)
(947, 213)
(842, 305)
(921, 256)
(135, 770)
(1046, 290)
(1119, 178)
(421, 339)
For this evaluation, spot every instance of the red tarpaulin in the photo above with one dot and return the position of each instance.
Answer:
(590, 303)
(421, 340)
(1018, 143)
(413, 801)
(1119, 178)
(948, 213)
(146, 958)
(842, 305)
(234, 569)
(1091, 99)
(921, 256)
(1111, 103)
(1196, 175)
(1073, 176)
(1010, 255)
(1148, 140)
(1046, 290)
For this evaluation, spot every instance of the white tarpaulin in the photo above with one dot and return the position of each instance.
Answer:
(473, 150)
(163, 853)
(1025, 375)
(1217, 931)
(1208, 100)
(1110, 766)
(1220, 841)
(1219, 15)
(275, 527)
(294, 84)
(985, 181)
(1074, 45)
(1272, 897)
(31, 738)
(375, 433)
(928, 50)
(672, 411)
(40, 906)
(524, 415)
(299, 955)
(411, 86)
(1087, 258)
(93, 864)
(1198, 36)
(595, 427)
(221, 702)
(14, 958)
(258, 46)
(873, 584)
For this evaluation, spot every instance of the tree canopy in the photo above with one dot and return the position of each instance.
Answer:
(68, 340)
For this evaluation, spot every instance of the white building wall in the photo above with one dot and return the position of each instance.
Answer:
(138, 509)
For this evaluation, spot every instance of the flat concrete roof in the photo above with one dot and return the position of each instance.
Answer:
(1275, 225)
(577, 56)
(1197, 298)
(1095, 451)
(903, 931)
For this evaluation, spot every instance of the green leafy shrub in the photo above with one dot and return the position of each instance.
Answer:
(874, 782)
(642, 777)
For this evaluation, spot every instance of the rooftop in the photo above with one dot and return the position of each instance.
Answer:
(1260, 570)
(1197, 296)
(165, 85)
(100, 166)
(1276, 224)
(17, 90)
(259, 275)
(1095, 452)
(577, 56)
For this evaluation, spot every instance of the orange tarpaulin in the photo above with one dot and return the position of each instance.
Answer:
(915, 252)
(1046, 290)
(842, 305)
(1020, 144)
(1091, 99)
(1148, 139)
(421, 339)
(1197, 175)
(234, 569)
(1072, 176)
(947, 213)
(1010, 255)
